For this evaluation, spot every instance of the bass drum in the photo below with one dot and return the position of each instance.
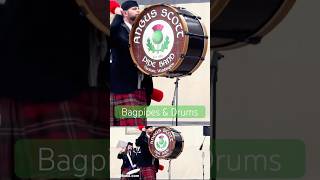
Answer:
(168, 41)
(97, 12)
(166, 143)
(240, 22)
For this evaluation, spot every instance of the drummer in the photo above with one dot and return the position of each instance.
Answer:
(129, 158)
(148, 164)
(129, 87)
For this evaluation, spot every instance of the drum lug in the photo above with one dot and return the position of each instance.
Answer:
(189, 16)
(195, 57)
(196, 35)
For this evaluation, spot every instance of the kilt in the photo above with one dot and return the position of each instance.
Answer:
(81, 117)
(137, 98)
(124, 172)
(148, 173)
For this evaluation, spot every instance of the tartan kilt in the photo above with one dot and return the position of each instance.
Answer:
(81, 117)
(124, 172)
(137, 98)
(148, 173)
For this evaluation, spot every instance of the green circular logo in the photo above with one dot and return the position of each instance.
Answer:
(161, 142)
(158, 40)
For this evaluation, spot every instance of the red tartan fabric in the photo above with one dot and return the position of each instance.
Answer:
(124, 172)
(137, 98)
(83, 117)
(148, 173)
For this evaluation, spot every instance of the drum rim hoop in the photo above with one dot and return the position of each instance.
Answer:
(181, 148)
(92, 17)
(217, 8)
(205, 49)
(185, 46)
(169, 128)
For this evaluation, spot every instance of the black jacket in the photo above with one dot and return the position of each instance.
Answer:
(145, 158)
(44, 49)
(124, 73)
(125, 160)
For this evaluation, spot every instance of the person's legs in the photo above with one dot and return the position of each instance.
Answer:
(137, 98)
(124, 171)
(82, 117)
(148, 173)
(6, 145)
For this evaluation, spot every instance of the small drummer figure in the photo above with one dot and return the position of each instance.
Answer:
(148, 164)
(129, 158)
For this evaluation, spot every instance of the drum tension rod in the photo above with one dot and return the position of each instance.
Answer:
(195, 57)
(172, 74)
(190, 16)
(196, 35)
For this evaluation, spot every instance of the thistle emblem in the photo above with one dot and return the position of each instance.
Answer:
(157, 38)
(161, 143)
(157, 35)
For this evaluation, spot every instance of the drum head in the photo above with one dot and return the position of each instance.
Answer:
(133, 171)
(163, 143)
(157, 40)
(97, 12)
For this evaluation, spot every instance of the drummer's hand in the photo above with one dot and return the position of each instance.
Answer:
(118, 10)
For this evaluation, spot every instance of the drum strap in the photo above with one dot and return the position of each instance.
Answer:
(140, 75)
(140, 79)
(153, 159)
(133, 166)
